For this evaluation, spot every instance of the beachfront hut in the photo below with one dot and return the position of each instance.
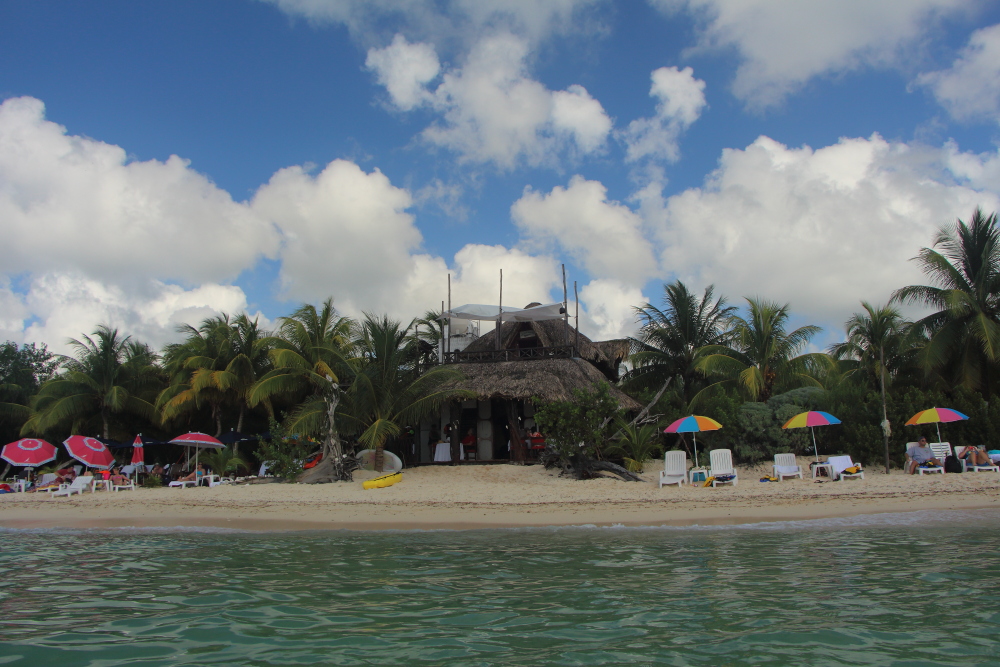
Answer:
(544, 359)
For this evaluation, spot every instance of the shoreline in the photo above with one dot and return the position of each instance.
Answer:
(499, 497)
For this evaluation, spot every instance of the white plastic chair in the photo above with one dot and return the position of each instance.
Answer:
(966, 467)
(182, 484)
(79, 485)
(722, 464)
(674, 468)
(127, 485)
(934, 469)
(785, 466)
(842, 463)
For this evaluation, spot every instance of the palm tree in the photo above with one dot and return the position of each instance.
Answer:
(386, 391)
(311, 350)
(671, 338)
(881, 344)
(762, 356)
(964, 330)
(427, 333)
(110, 375)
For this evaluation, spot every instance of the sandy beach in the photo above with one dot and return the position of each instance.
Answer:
(496, 496)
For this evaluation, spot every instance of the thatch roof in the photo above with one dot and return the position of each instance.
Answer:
(605, 355)
(547, 379)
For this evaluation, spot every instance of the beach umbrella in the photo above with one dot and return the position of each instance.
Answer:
(138, 452)
(693, 424)
(936, 416)
(811, 419)
(199, 441)
(28, 452)
(91, 452)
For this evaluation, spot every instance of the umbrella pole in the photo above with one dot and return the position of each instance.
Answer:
(815, 449)
(938, 424)
(695, 437)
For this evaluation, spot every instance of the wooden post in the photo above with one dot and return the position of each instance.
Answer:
(441, 342)
(500, 314)
(565, 309)
(449, 310)
(576, 342)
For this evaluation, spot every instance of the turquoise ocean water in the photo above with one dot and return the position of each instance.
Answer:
(906, 589)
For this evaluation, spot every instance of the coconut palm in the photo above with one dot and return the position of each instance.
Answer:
(881, 345)
(671, 338)
(109, 375)
(311, 349)
(964, 330)
(386, 391)
(762, 356)
(216, 366)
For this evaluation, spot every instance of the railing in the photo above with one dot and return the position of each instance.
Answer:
(516, 354)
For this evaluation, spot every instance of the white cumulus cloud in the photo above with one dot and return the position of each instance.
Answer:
(784, 43)
(970, 88)
(604, 237)
(405, 70)
(610, 312)
(491, 109)
(821, 228)
(680, 101)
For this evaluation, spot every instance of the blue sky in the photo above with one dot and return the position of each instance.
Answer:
(160, 162)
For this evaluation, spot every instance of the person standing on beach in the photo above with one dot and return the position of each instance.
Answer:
(919, 455)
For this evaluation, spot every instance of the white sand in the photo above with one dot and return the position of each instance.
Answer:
(478, 496)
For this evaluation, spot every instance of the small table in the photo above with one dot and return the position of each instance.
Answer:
(703, 472)
(825, 466)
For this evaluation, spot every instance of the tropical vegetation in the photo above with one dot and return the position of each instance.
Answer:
(322, 378)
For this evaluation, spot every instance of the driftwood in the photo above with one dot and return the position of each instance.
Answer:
(335, 466)
(582, 466)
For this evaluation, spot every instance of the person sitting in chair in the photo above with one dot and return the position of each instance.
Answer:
(469, 444)
(920, 455)
(194, 476)
(976, 457)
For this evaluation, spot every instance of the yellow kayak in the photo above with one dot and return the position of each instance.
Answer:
(383, 481)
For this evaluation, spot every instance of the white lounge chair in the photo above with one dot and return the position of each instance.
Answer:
(722, 465)
(940, 451)
(674, 471)
(785, 466)
(183, 483)
(79, 485)
(127, 485)
(842, 463)
(966, 467)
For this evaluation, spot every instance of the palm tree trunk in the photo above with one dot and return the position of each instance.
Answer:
(107, 428)
(885, 417)
(239, 423)
(331, 468)
(217, 416)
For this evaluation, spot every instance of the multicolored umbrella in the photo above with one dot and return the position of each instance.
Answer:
(693, 424)
(936, 416)
(28, 452)
(199, 441)
(91, 452)
(811, 419)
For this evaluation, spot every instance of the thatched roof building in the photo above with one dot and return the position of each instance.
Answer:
(546, 359)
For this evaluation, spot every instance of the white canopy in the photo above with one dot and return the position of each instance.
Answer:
(478, 311)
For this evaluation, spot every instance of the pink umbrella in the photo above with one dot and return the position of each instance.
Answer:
(198, 440)
(138, 456)
(89, 451)
(28, 452)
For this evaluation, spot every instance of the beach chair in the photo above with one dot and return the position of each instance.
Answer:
(785, 466)
(211, 480)
(79, 485)
(183, 484)
(674, 468)
(722, 466)
(842, 463)
(932, 469)
(123, 484)
(966, 467)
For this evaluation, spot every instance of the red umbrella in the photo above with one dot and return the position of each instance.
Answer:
(28, 452)
(138, 456)
(89, 451)
(198, 440)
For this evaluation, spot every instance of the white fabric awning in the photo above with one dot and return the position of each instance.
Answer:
(478, 311)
